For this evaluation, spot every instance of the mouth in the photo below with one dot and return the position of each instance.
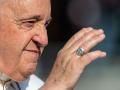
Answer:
(33, 54)
(34, 51)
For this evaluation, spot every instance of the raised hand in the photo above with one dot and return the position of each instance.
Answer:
(73, 58)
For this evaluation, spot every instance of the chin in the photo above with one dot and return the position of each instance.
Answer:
(26, 73)
(25, 76)
(30, 71)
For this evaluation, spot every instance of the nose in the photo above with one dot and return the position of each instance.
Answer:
(40, 36)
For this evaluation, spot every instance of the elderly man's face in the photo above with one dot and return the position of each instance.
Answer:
(23, 35)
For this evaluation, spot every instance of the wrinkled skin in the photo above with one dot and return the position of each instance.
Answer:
(23, 37)
(69, 66)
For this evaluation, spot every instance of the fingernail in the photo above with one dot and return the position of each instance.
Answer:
(104, 53)
(102, 36)
(101, 30)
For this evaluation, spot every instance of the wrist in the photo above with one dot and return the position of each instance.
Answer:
(54, 86)
(47, 86)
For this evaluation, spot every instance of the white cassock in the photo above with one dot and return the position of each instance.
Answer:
(32, 83)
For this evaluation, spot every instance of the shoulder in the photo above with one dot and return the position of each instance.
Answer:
(32, 83)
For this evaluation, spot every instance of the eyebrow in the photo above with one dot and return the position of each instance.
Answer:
(37, 18)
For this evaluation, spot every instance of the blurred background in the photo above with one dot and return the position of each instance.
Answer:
(68, 17)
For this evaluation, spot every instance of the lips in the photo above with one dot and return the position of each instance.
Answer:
(33, 50)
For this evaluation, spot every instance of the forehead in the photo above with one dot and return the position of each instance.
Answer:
(26, 8)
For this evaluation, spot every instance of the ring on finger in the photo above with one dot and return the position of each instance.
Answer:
(80, 51)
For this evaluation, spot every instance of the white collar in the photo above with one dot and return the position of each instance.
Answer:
(4, 78)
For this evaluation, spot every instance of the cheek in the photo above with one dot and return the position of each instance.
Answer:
(11, 56)
(27, 66)
(10, 50)
(9, 59)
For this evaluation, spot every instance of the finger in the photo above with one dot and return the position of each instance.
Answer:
(77, 36)
(89, 57)
(92, 43)
(86, 38)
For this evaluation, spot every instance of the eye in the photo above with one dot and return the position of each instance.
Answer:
(28, 24)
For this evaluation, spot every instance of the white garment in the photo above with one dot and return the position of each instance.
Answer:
(32, 83)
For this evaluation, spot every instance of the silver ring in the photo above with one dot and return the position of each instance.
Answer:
(80, 51)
